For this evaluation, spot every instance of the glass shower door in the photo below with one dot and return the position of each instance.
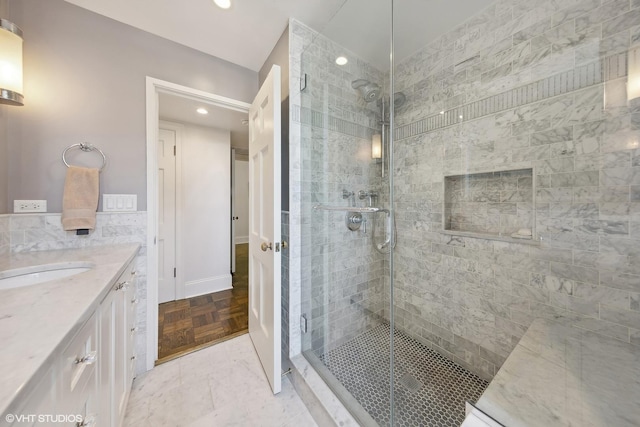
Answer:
(345, 206)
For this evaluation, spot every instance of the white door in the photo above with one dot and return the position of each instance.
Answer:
(264, 226)
(233, 211)
(166, 215)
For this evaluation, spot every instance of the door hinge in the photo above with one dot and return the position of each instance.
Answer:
(174, 272)
(174, 150)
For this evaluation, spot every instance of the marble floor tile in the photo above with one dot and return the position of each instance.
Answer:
(222, 385)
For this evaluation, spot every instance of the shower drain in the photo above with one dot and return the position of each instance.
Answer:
(410, 383)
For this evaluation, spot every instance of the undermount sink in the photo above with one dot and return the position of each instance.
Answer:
(42, 273)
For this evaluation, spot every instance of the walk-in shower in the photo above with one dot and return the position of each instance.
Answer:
(417, 284)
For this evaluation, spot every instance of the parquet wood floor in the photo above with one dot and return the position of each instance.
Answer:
(190, 324)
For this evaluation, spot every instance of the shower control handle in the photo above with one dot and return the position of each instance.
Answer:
(368, 194)
(266, 246)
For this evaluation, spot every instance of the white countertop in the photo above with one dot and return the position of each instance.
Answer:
(559, 375)
(35, 321)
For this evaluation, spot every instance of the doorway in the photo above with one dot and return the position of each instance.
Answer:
(155, 90)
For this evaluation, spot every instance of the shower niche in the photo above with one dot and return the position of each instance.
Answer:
(491, 205)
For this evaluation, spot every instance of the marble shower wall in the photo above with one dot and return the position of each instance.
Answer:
(40, 232)
(340, 274)
(284, 291)
(524, 84)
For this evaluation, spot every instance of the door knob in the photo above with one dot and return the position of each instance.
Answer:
(265, 246)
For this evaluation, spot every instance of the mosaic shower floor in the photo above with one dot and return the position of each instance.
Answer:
(430, 390)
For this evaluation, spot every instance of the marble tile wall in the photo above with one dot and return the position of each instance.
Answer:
(284, 305)
(39, 232)
(340, 275)
(5, 246)
(538, 85)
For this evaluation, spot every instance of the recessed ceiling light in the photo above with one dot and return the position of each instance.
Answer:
(223, 4)
(341, 60)
(202, 111)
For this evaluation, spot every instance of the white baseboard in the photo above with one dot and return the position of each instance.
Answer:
(207, 285)
(242, 239)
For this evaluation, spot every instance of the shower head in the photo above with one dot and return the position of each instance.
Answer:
(369, 91)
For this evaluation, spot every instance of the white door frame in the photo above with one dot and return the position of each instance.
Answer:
(153, 88)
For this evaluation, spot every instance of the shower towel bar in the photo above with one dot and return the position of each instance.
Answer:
(347, 209)
(86, 148)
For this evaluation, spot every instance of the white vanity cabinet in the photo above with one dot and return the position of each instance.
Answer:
(117, 312)
(90, 379)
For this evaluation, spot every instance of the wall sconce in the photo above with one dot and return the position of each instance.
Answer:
(10, 63)
(633, 78)
(376, 146)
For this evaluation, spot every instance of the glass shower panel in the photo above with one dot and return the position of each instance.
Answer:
(345, 290)
(526, 111)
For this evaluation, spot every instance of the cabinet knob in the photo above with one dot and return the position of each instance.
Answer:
(134, 329)
(134, 301)
(89, 421)
(133, 358)
(88, 359)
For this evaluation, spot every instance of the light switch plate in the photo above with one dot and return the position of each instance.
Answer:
(119, 202)
(29, 206)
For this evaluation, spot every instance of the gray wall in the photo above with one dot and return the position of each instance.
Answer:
(85, 81)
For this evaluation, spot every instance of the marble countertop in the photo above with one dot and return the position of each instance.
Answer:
(37, 320)
(559, 375)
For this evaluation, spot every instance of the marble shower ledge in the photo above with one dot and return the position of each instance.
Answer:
(36, 321)
(487, 236)
(560, 375)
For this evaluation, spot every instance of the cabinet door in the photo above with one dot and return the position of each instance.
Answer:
(41, 402)
(107, 357)
(132, 305)
(121, 365)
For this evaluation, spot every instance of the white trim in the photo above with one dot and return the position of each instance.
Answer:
(240, 240)
(153, 87)
(207, 285)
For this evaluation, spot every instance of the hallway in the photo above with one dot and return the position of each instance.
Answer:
(190, 324)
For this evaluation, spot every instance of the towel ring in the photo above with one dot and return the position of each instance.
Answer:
(86, 148)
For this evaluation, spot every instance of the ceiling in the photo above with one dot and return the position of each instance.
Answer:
(183, 110)
(246, 33)
(363, 26)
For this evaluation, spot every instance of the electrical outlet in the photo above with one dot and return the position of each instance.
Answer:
(29, 206)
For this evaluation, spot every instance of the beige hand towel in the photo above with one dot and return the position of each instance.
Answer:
(80, 199)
